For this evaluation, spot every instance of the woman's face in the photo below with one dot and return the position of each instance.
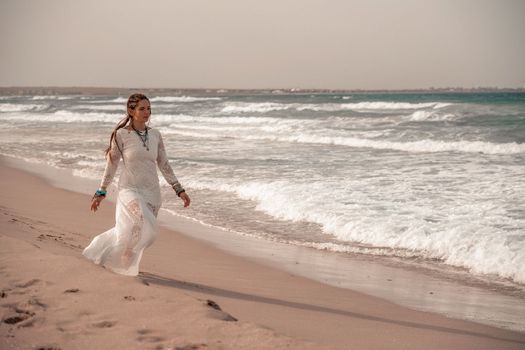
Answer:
(142, 111)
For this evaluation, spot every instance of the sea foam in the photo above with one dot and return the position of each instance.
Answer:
(263, 107)
(420, 146)
(14, 107)
(458, 241)
(182, 99)
(66, 117)
(372, 106)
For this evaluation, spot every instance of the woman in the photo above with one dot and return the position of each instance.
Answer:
(141, 150)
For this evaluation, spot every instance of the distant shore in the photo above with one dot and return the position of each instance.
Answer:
(64, 90)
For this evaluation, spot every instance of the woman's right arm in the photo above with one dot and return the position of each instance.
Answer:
(112, 161)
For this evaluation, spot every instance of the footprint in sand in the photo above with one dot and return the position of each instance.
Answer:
(19, 288)
(191, 347)
(145, 335)
(218, 313)
(28, 283)
(50, 232)
(104, 324)
(150, 338)
(16, 319)
(23, 314)
(36, 302)
(19, 315)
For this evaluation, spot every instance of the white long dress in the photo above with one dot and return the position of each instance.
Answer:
(120, 248)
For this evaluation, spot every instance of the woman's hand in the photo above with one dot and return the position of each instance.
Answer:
(95, 202)
(185, 198)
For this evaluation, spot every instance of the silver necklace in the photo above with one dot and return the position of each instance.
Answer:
(143, 137)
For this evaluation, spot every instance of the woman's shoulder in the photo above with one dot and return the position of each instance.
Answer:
(123, 130)
(128, 130)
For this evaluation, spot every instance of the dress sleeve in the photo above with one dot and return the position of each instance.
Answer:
(113, 159)
(165, 167)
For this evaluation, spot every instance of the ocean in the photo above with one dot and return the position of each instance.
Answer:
(423, 177)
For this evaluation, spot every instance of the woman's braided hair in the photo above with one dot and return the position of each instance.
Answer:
(133, 101)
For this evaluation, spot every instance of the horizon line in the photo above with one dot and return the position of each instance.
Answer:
(85, 89)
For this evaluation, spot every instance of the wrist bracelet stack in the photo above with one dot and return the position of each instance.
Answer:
(100, 193)
(178, 189)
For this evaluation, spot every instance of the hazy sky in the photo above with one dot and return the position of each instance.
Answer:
(372, 44)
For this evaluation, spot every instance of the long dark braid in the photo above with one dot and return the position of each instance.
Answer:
(133, 101)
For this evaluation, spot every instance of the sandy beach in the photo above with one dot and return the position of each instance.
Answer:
(189, 295)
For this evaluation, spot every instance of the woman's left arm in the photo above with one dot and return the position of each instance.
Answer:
(169, 175)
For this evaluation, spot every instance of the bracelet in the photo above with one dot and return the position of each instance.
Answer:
(178, 188)
(100, 193)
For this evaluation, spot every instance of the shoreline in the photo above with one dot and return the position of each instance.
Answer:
(437, 289)
(257, 294)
